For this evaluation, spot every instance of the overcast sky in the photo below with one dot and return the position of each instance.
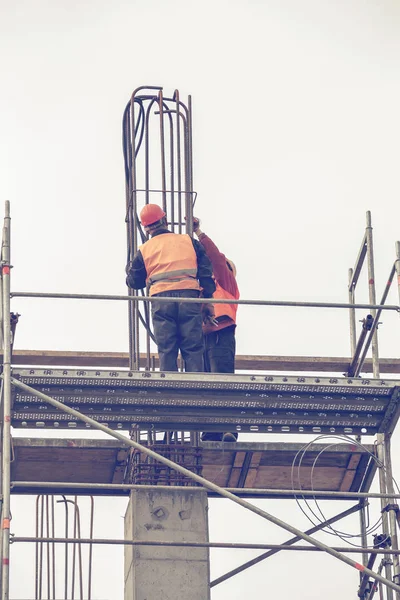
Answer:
(296, 136)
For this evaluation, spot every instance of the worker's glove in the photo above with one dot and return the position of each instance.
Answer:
(196, 224)
(208, 314)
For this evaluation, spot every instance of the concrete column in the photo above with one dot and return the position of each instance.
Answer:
(167, 573)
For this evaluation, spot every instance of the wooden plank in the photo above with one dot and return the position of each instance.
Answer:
(243, 362)
(120, 464)
(350, 472)
(103, 461)
(236, 469)
(252, 473)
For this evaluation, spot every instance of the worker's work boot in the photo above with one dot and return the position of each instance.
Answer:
(229, 437)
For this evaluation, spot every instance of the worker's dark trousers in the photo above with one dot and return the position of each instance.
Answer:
(219, 357)
(178, 326)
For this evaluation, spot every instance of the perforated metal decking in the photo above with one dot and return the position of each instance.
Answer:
(197, 401)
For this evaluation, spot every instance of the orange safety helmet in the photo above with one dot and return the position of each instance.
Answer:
(150, 214)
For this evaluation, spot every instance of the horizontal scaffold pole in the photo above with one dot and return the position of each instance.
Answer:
(227, 545)
(287, 303)
(320, 494)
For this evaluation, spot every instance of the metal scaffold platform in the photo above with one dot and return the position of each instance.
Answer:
(155, 419)
(197, 401)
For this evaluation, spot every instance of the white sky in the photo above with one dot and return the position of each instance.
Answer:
(296, 135)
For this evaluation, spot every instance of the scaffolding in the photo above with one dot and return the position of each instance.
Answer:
(146, 403)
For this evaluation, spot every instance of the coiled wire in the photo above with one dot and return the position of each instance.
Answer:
(321, 518)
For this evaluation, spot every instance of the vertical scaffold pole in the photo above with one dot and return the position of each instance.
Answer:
(380, 447)
(352, 315)
(392, 511)
(372, 292)
(353, 344)
(388, 463)
(6, 514)
(375, 366)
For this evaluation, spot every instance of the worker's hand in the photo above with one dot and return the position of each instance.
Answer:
(208, 314)
(196, 227)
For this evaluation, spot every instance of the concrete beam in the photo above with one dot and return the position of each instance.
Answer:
(243, 362)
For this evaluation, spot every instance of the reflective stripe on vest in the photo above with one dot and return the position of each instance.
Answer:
(225, 310)
(171, 263)
(173, 275)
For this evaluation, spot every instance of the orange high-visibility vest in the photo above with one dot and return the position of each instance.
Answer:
(228, 310)
(171, 263)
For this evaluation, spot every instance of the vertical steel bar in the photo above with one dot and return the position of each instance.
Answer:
(73, 552)
(372, 292)
(188, 175)
(37, 550)
(133, 310)
(129, 220)
(53, 534)
(90, 548)
(189, 214)
(178, 160)
(5, 264)
(147, 199)
(66, 549)
(392, 511)
(79, 550)
(48, 547)
(172, 170)
(41, 550)
(384, 501)
(352, 315)
(162, 149)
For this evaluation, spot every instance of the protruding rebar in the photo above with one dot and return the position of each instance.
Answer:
(135, 130)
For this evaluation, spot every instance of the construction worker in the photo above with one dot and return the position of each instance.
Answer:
(219, 335)
(173, 266)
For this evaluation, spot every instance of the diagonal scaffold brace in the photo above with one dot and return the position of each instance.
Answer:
(207, 484)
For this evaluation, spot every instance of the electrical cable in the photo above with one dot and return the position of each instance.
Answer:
(301, 454)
